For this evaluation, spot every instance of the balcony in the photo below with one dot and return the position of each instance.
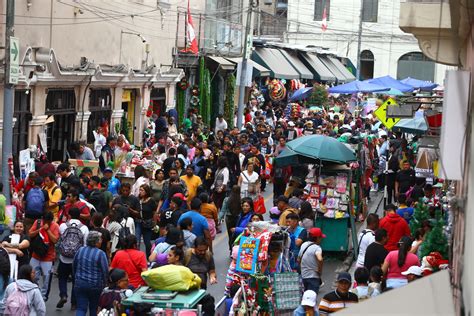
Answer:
(430, 22)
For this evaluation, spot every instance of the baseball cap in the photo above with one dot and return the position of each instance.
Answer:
(344, 276)
(309, 298)
(416, 270)
(316, 232)
(108, 170)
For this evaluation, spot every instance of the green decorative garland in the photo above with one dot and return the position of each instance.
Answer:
(180, 104)
(229, 101)
(205, 91)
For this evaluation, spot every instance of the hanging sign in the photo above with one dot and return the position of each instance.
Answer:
(247, 255)
(381, 114)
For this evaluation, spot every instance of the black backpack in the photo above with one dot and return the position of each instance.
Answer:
(37, 245)
(123, 233)
(97, 199)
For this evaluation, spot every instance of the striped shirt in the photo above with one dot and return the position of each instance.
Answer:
(335, 301)
(91, 268)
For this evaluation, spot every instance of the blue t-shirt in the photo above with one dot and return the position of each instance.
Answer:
(199, 222)
(406, 213)
(114, 186)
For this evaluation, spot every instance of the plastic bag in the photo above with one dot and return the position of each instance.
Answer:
(172, 278)
(259, 205)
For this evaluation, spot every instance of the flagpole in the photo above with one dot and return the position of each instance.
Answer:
(186, 28)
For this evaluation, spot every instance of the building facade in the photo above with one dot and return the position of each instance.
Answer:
(385, 49)
(85, 64)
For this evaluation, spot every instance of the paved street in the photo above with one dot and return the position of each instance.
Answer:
(332, 263)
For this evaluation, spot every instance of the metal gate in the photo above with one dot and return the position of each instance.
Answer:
(23, 117)
(61, 103)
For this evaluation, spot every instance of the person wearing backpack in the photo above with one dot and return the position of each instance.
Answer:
(73, 235)
(35, 202)
(72, 200)
(23, 297)
(44, 234)
(119, 223)
(54, 194)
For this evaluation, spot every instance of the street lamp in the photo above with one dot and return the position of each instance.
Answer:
(121, 41)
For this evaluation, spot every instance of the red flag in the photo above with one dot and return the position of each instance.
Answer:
(191, 35)
(324, 24)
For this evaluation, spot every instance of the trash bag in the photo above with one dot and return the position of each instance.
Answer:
(172, 278)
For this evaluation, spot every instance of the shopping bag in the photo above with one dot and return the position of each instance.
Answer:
(259, 205)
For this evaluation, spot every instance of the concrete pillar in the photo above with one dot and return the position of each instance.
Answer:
(38, 109)
(83, 114)
(141, 107)
(117, 112)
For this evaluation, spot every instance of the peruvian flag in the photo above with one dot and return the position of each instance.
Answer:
(192, 41)
(324, 24)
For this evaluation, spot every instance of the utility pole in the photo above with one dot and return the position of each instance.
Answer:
(8, 95)
(243, 68)
(359, 39)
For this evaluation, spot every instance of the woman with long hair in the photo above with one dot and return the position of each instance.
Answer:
(221, 180)
(131, 260)
(147, 213)
(244, 218)
(249, 181)
(156, 185)
(141, 178)
(230, 211)
(117, 289)
(307, 215)
(398, 261)
(118, 218)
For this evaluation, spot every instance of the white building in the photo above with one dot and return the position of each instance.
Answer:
(385, 49)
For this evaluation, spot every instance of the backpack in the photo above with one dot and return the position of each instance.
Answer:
(35, 201)
(97, 199)
(123, 233)
(17, 303)
(71, 240)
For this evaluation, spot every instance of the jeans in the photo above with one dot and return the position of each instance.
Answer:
(312, 284)
(64, 271)
(146, 233)
(87, 299)
(43, 268)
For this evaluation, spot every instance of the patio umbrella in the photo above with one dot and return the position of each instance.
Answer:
(419, 84)
(301, 94)
(357, 86)
(412, 126)
(392, 83)
(392, 91)
(290, 158)
(322, 148)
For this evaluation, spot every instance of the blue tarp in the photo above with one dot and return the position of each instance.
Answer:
(392, 83)
(357, 86)
(419, 84)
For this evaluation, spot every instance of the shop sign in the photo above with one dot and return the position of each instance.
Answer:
(126, 95)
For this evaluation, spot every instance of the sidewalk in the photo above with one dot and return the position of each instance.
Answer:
(375, 206)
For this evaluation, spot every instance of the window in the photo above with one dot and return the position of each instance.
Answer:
(319, 6)
(415, 65)
(370, 10)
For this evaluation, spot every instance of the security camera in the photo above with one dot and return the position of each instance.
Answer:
(143, 38)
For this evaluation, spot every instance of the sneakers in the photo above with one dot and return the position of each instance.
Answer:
(61, 302)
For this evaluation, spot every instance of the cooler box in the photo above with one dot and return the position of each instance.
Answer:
(182, 300)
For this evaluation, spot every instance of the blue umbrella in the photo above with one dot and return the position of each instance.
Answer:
(393, 92)
(357, 86)
(301, 94)
(412, 126)
(392, 83)
(419, 84)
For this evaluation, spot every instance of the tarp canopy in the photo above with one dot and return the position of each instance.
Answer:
(430, 295)
(356, 87)
(412, 126)
(419, 84)
(392, 83)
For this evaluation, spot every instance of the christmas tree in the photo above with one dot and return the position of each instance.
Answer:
(420, 214)
(436, 240)
(319, 96)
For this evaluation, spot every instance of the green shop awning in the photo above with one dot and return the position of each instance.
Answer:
(223, 63)
(338, 69)
(272, 59)
(258, 70)
(292, 57)
(321, 72)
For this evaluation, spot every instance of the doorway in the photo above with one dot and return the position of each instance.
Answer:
(366, 65)
(21, 128)
(61, 104)
(100, 106)
(127, 126)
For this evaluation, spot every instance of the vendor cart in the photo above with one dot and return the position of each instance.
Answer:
(165, 301)
(331, 195)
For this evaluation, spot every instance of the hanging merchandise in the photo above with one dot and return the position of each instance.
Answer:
(180, 105)
(248, 255)
(204, 91)
(229, 101)
(277, 90)
(183, 84)
(149, 111)
(293, 111)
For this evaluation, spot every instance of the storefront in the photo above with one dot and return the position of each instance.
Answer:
(61, 104)
(158, 101)
(127, 125)
(100, 106)
(22, 116)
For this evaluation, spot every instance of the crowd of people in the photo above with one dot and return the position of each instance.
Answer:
(89, 229)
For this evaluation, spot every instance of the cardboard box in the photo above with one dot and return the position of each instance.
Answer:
(79, 164)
